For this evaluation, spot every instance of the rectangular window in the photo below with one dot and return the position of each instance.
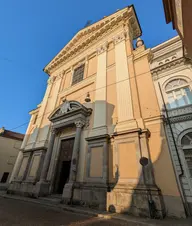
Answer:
(78, 74)
(4, 177)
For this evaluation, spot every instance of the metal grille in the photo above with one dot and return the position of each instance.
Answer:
(78, 74)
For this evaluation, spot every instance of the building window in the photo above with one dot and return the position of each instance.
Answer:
(4, 177)
(178, 93)
(186, 143)
(78, 74)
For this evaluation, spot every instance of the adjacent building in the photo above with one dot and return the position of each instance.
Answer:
(10, 143)
(172, 76)
(97, 138)
(178, 12)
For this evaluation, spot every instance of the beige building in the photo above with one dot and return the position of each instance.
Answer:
(173, 73)
(97, 138)
(10, 143)
(178, 12)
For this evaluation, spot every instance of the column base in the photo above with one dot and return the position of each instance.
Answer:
(126, 125)
(42, 188)
(91, 195)
(67, 193)
(141, 201)
(98, 131)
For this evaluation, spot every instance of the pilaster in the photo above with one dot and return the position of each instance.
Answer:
(124, 97)
(100, 110)
(16, 166)
(42, 187)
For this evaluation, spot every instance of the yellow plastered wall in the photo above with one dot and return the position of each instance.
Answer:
(162, 164)
(110, 55)
(81, 94)
(127, 161)
(147, 96)
(92, 66)
(134, 90)
(68, 79)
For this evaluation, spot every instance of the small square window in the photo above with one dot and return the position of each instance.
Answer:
(78, 74)
(4, 177)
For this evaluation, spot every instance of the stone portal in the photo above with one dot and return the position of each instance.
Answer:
(63, 165)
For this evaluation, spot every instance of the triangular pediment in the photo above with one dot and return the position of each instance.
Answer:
(88, 35)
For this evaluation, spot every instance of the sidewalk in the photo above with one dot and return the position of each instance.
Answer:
(86, 211)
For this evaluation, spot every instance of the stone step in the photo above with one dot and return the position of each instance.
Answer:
(52, 199)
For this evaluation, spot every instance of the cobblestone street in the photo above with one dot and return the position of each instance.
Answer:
(15, 212)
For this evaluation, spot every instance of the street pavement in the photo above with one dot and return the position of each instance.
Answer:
(16, 212)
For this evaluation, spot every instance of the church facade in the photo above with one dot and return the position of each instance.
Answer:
(97, 138)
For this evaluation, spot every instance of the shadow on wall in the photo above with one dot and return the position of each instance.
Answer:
(156, 193)
(23, 169)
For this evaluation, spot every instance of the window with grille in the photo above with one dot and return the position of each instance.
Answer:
(178, 93)
(186, 142)
(78, 74)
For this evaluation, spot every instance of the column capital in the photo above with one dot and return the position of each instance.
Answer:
(102, 48)
(120, 37)
(79, 123)
(51, 80)
(53, 131)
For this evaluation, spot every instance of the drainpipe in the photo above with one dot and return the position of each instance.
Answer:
(179, 178)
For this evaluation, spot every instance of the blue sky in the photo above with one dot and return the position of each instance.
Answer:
(33, 32)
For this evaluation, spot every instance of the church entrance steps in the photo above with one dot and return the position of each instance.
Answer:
(55, 199)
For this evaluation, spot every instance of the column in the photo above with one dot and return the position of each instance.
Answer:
(75, 157)
(100, 110)
(124, 99)
(48, 157)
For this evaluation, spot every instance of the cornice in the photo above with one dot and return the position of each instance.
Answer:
(181, 118)
(167, 66)
(141, 52)
(88, 36)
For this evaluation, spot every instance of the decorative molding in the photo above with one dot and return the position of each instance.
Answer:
(102, 48)
(166, 67)
(181, 118)
(180, 111)
(53, 131)
(180, 114)
(51, 80)
(87, 36)
(120, 37)
(79, 123)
